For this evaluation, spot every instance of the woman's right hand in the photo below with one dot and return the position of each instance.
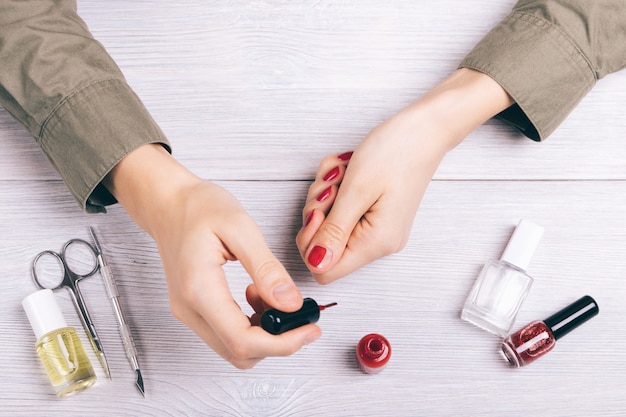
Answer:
(198, 226)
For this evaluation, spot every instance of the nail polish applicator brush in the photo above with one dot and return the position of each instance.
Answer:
(277, 322)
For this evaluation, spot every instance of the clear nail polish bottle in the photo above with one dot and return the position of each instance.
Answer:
(539, 337)
(502, 285)
(58, 345)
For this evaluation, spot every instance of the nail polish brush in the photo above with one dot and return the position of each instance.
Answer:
(277, 322)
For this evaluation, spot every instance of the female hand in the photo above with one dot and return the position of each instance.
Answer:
(361, 206)
(198, 227)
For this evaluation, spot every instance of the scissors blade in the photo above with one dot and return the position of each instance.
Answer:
(103, 362)
(97, 244)
(91, 332)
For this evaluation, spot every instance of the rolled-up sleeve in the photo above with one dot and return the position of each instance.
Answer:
(62, 85)
(548, 54)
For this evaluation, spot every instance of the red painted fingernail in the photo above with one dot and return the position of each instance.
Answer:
(332, 174)
(317, 255)
(325, 194)
(345, 156)
(309, 218)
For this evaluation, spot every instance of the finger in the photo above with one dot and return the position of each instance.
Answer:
(322, 201)
(323, 190)
(305, 235)
(244, 345)
(254, 299)
(353, 200)
(245, 342)
(273, 283)
(257, 304)
(326, 170)
(377, 234)
(220, 323)
(359, 251)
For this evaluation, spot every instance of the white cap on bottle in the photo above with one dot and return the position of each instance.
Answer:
(43, 312)
(522, 245)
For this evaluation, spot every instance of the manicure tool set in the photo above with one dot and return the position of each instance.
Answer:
(70, 269)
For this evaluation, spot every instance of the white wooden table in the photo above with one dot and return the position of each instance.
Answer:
(252, 95)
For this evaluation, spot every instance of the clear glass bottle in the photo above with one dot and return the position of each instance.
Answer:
(502, 285)
(58, 345)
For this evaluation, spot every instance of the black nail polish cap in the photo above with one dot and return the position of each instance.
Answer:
(572, 316)
(277, 322)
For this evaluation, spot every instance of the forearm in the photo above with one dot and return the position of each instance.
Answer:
(461, 103)
(440, 119)
(548, 54)
(61, 84)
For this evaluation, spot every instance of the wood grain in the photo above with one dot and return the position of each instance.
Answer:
(413, 297)
(253, 94)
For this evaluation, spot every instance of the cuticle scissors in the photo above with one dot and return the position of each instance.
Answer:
(70, 279)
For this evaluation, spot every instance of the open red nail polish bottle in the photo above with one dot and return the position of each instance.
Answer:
(539, 337)
(373, 353)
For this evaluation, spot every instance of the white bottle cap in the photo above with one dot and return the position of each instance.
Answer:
(522, 244)
(43, 312)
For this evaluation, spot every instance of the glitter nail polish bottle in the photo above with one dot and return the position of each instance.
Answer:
(502, 285)
(539, 337)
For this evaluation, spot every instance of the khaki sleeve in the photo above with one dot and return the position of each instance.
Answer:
(62, 85)
(548, 54)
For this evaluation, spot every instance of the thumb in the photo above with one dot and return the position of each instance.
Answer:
(272, 281)
(329, 243)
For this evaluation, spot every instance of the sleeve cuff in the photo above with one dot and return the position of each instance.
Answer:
(90, 132)
(539, 66)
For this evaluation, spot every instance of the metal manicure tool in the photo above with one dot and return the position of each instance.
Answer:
(111, 288)
(64, 270)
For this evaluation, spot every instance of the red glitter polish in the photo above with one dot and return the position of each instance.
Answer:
(332, 174)
(345, 156)
(539, 337)
(324, 194)
(529, 343)
(373, 353)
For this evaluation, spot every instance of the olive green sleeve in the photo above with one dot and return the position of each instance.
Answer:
(548, 54)
(62, 85)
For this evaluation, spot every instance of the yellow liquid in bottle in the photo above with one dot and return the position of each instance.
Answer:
(65, 361)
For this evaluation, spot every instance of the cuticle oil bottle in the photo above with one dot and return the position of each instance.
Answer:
(58, 345)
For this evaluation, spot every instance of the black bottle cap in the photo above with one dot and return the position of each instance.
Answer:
(277, 322)
(572, 316)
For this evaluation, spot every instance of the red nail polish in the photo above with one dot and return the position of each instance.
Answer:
(317, 255)
(325, 194)
(309, 218)
(373, 353)
(539, 337)
(332, 174)
(345, 156)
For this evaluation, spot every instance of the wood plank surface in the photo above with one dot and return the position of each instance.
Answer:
(253, 94)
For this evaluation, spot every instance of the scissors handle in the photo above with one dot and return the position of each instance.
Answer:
(71, 267)
(33, 270)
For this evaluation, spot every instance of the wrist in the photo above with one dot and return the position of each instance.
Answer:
(149, 183)
(456, 106)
